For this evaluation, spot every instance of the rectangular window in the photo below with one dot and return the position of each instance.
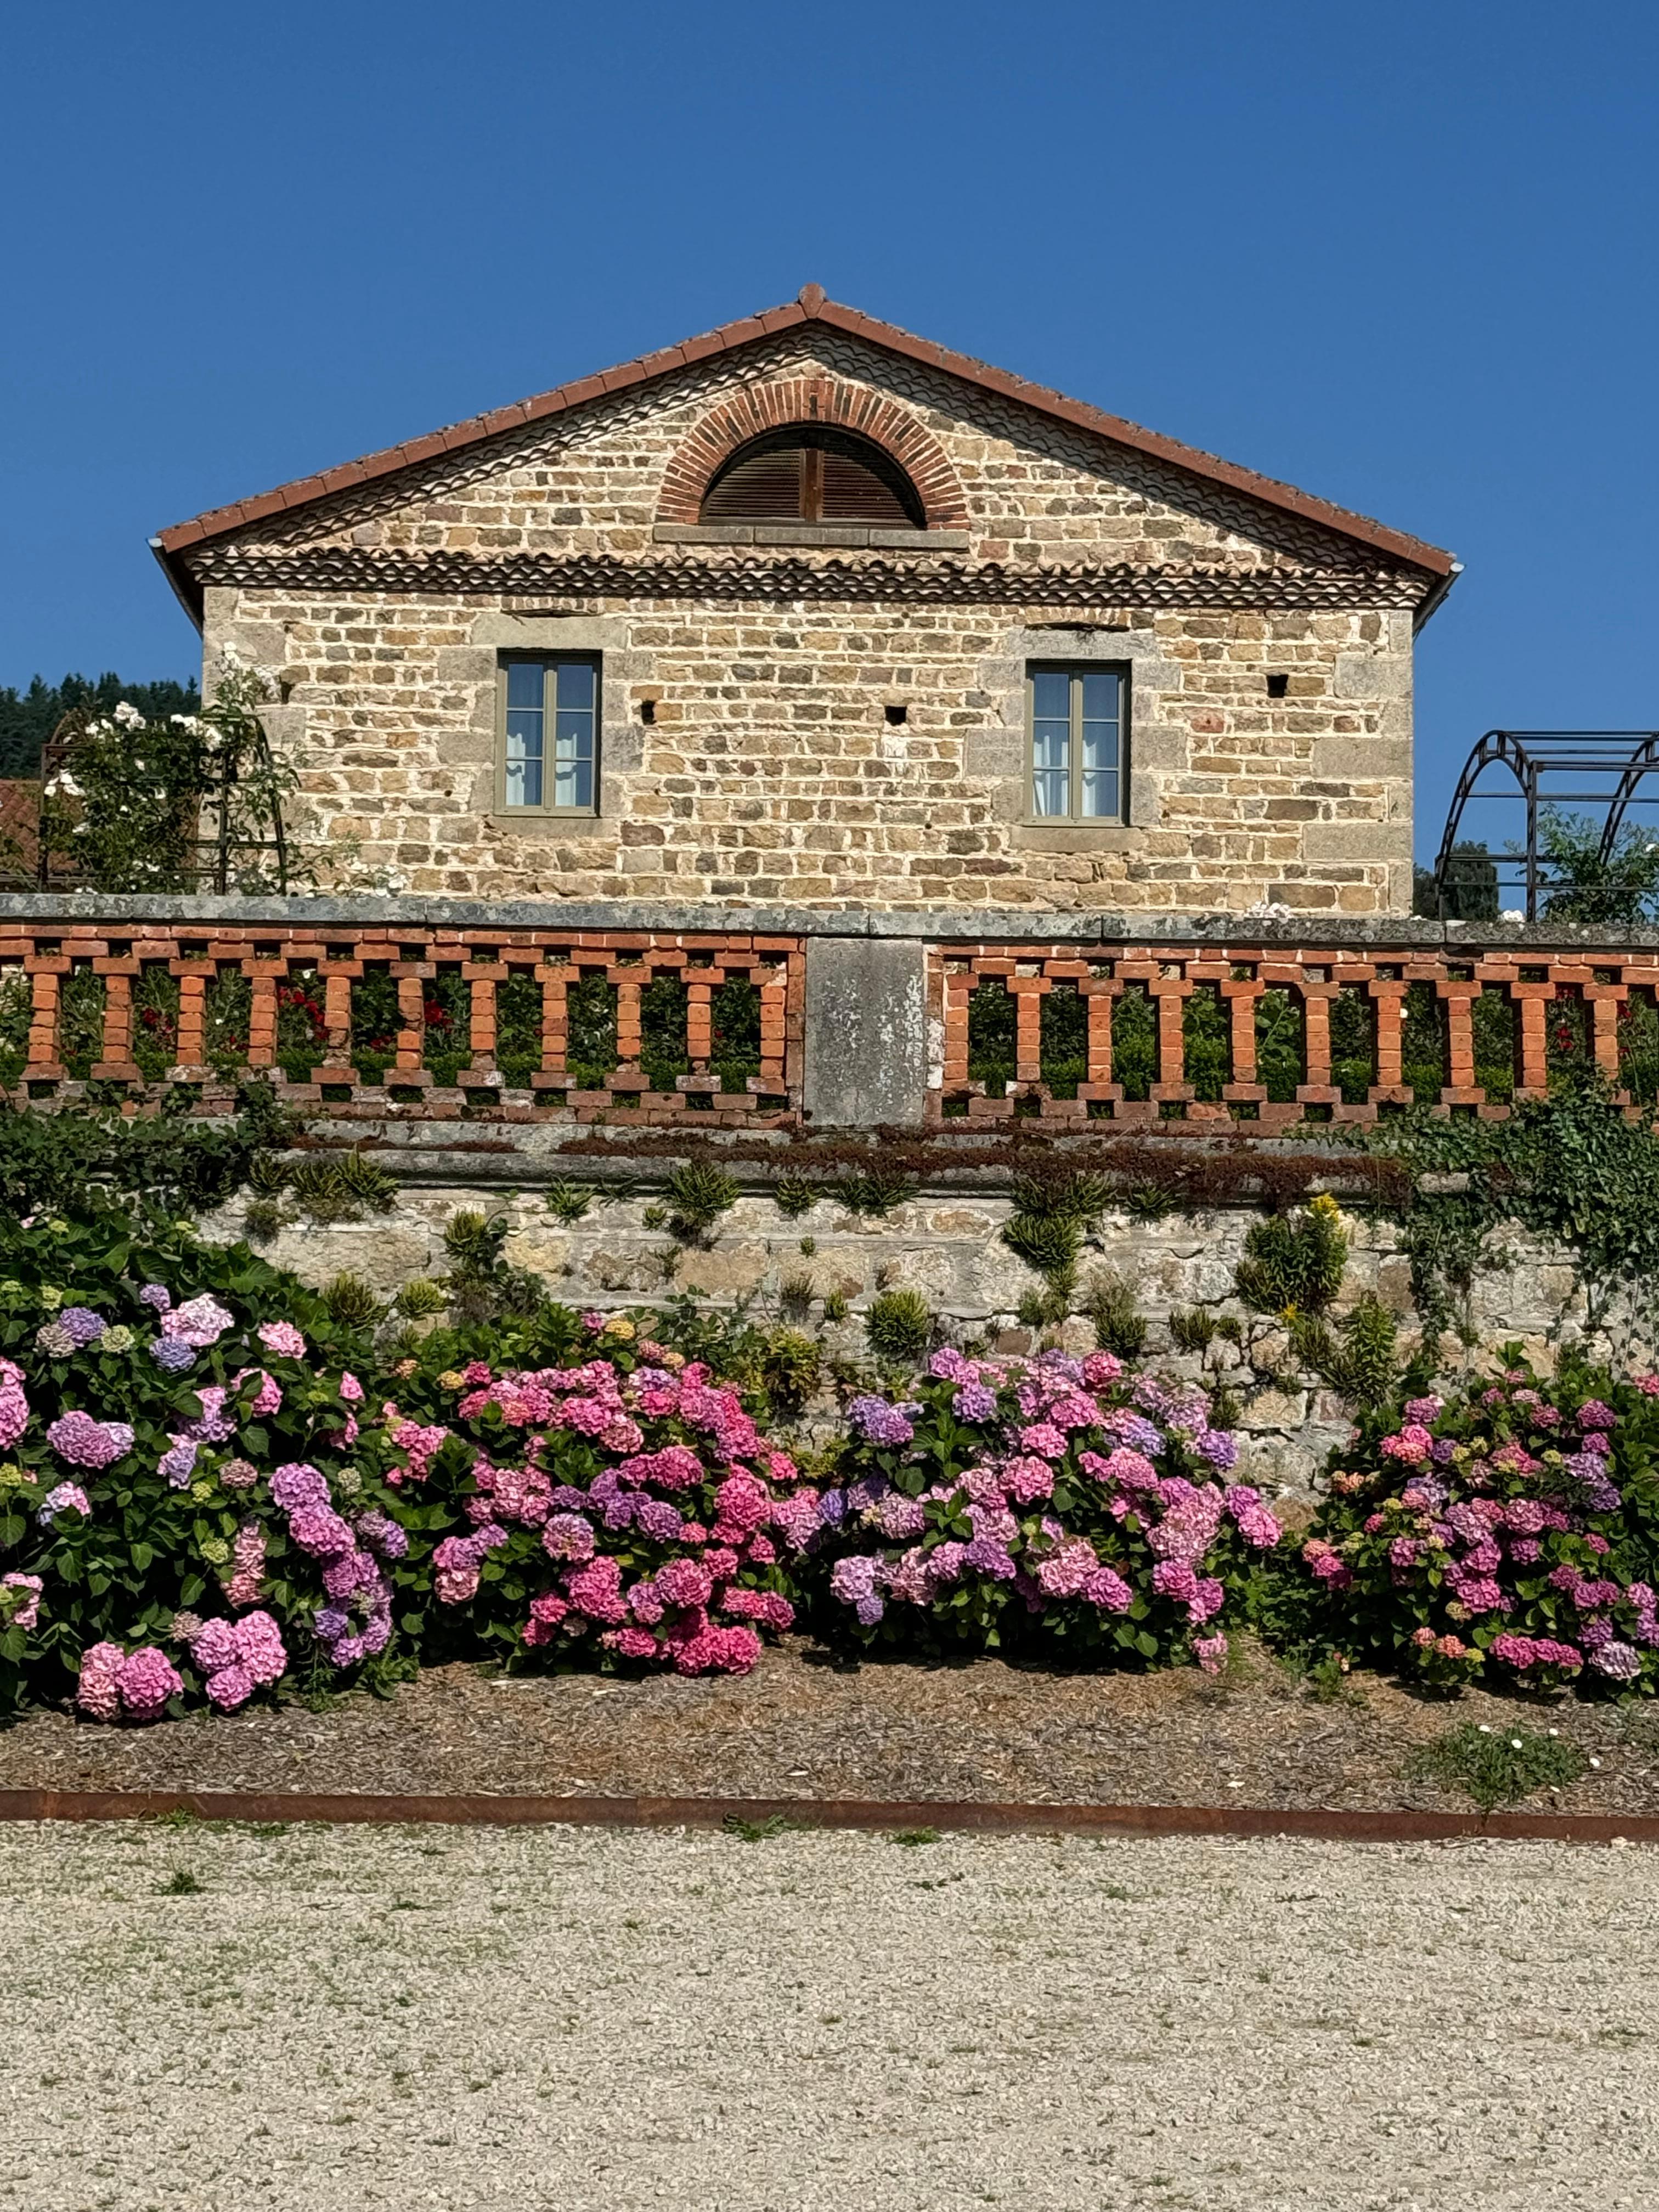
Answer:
(1076, 726)
(549, 734)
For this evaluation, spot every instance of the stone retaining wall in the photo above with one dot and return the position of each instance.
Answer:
(946, 1244)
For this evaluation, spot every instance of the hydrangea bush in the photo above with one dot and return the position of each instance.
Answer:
(1057, 1503)
(611, 1503)
(168, 1413)
(1505, 1534)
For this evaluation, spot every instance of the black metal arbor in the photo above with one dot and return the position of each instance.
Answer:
(1538, 770)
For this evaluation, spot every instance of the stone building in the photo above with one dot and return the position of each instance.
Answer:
(811, 613)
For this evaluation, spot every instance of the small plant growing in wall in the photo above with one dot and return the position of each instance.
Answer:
(420, 1296)
(697, 1196)
(1191, 1330)
(568, 1201)
(794, 1195)
(1120, 1326)
(352, 1301)
(1293, 1263)
(898, 1327)
(874, 1192)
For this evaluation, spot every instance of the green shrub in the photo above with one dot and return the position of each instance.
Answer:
(1294, 1262)
(421, 1296)
(568, 1201)
(898, 1326)
(1192, 1329)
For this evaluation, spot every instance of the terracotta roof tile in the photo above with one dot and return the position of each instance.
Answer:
(811, 306)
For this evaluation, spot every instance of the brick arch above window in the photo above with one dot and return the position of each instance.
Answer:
(811, 400)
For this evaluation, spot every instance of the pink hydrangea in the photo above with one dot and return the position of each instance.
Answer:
(267, 1398)
(13, 1405)
(248, 1564)
(282, 1339)
(1211, 1652)
(199, 1322)
(98, 1693)
(1413, 1444)
(20, 1612)
(83, 1442)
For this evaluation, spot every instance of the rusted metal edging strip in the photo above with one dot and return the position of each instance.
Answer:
(527, 1811)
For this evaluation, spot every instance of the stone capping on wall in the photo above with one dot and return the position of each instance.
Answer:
(934, 925)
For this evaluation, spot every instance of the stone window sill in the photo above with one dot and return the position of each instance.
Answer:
(538, 824)
(1077, 837)
(810, 533)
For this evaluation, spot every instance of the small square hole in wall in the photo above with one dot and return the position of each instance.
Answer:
(648, 710)
(1278, 686)
(897, 715)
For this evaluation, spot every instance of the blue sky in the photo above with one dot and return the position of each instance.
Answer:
(1402, 257)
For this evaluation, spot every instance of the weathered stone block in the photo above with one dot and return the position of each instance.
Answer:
(866, 1033)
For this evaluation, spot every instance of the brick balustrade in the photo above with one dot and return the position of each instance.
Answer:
(1315, 977)
(274, 959)
(1464, 1027)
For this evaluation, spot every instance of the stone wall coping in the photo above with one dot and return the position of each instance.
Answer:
(938, 925)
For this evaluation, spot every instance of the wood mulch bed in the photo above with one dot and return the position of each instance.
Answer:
(803, 1726)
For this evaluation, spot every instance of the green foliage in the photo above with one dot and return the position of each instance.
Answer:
(1206, 1042)
(1191, 1330)
(1471, 888)
(1618, 892)
(899, 1327)
(421, 1296)
(262, 1220)
(1119, 1324)
(992, 1025)
(1353, 1048)
(875, 1191)
(1423, 1044)
(568, 1201)
(734, 1032)
(1496, 1030)
(342, 1187)
(1358, 1358)
(518, 1028)
(663, 1054)
(835, 1307)
(81, 1161)
(301, 1024)
(1294, 1262)
(1638, 1046)
(1048, 1242)
(697, 1196)
(1064, 1040)
(446, 1047)
(1498, 1765)
(1281, 1026)
(590, 1057)
(794, 1195)
(81, 1021)
(375, 1022)
(17, 1017)
(1135, 1042)
(352, 1301)
(28, 718)
(156, 1020)
(1569, 1166)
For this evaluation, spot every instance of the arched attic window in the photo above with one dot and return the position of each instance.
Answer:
(809, 473)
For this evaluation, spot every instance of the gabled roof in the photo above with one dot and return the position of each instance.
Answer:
(811, 306)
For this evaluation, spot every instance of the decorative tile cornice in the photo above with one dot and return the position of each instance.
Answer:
(535, 575)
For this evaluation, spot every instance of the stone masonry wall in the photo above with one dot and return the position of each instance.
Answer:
(948, 1247)
(769, 772)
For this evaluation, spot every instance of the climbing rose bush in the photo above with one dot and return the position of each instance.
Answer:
(623, 1507)
(1505, 1533)
(1054, 1502)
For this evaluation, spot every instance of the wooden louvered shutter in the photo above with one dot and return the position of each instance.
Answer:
(764, 486)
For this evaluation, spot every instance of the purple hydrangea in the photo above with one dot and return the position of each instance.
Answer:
(878, 1422)
(171, 1354)
(1218, 1447)
(855, 1582)
(974, 1402)
(157, 1299)
(63, 1497)
(298, 1484)
(80, 1325)
(178, 1464)
(1620, 1662)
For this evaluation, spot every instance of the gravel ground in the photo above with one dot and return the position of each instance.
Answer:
(892, 1731)
(566, 2021)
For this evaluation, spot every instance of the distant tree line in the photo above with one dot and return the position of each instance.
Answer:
(28, 718)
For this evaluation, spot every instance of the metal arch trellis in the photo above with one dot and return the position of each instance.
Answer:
(1623, 758)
